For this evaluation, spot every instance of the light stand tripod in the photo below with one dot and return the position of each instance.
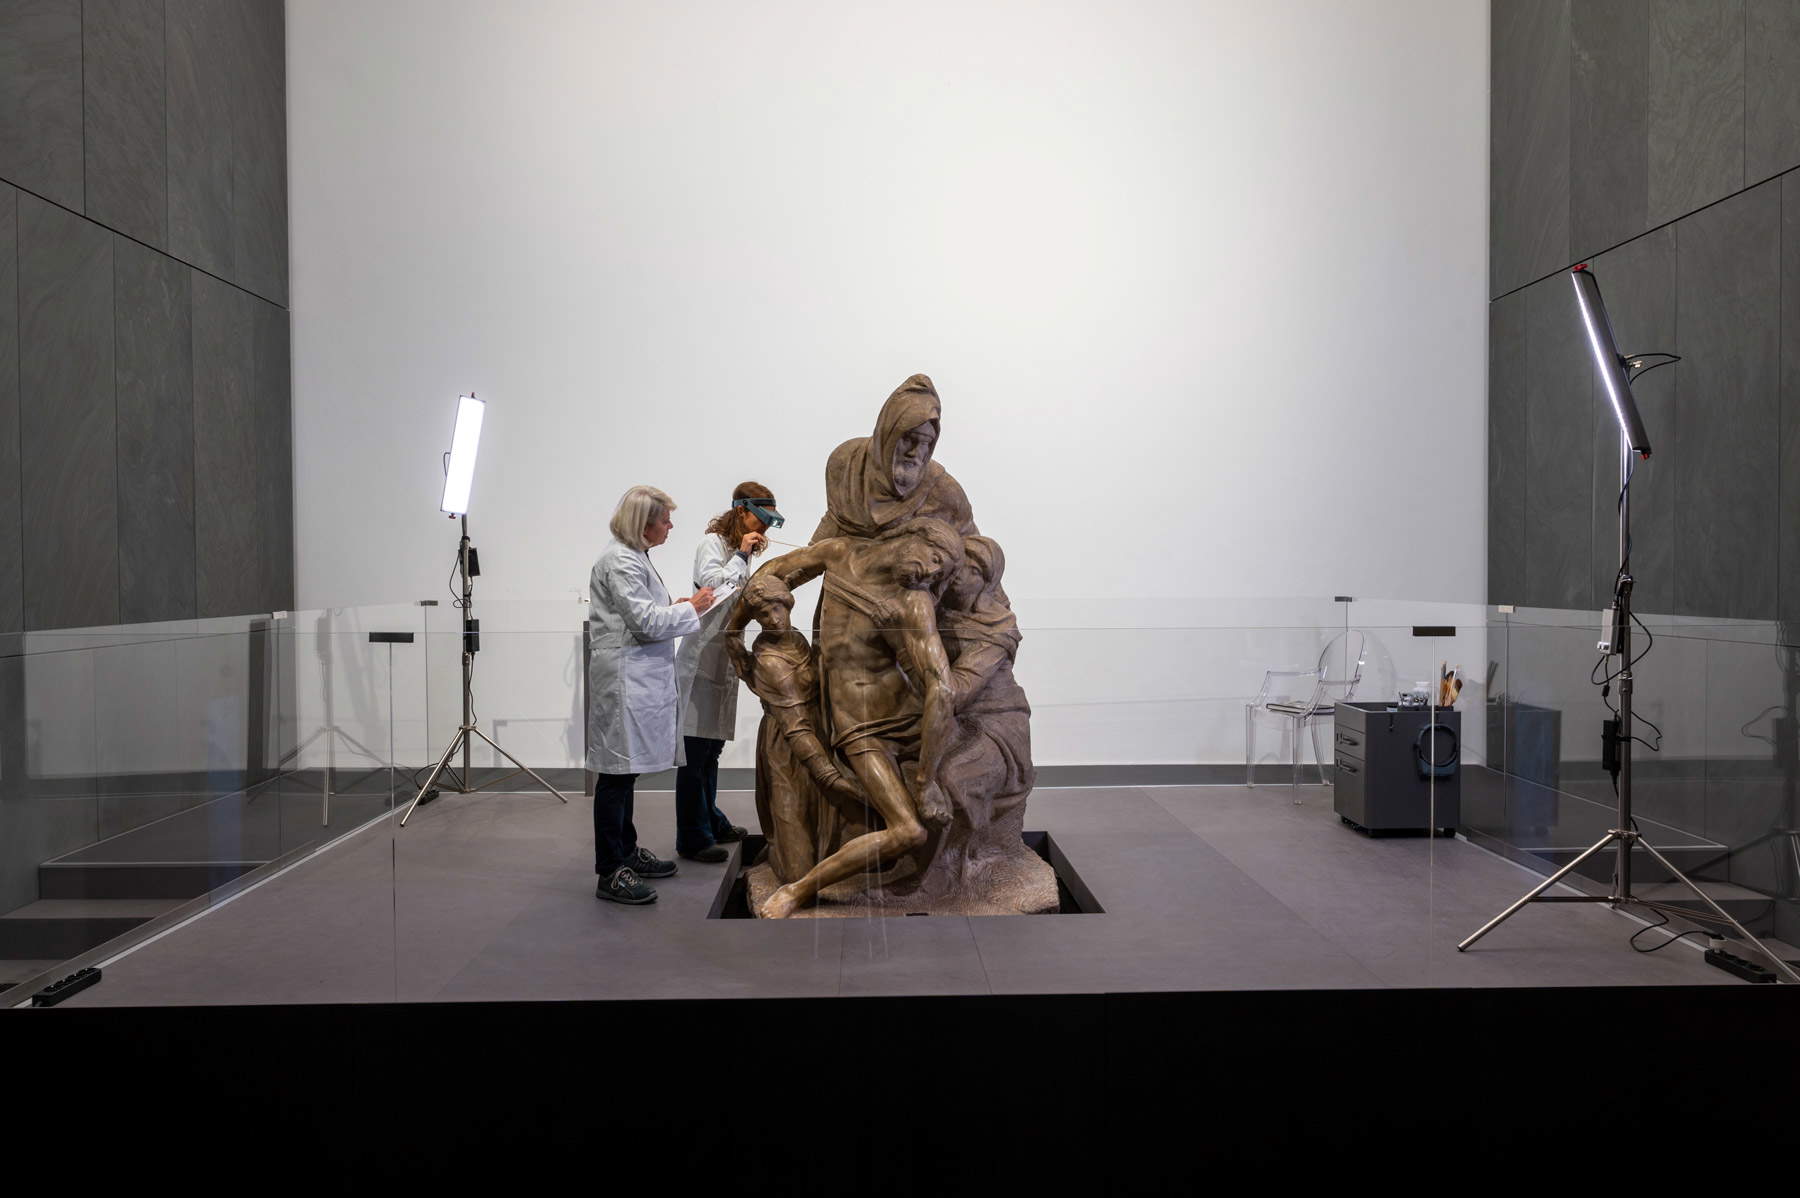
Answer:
(471, 644)
(1624, 836)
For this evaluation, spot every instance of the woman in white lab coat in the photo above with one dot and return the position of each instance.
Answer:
(632, 709)
(707, 680)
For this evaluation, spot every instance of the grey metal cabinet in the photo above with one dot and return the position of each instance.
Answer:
(1385, 758)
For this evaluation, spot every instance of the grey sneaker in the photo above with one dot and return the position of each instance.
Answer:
(712, 854)
(624, 886)
(648, 865)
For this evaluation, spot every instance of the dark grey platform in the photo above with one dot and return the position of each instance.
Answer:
(490, 897)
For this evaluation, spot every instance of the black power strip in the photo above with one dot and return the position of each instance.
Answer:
(55, 992)
(1750, 971)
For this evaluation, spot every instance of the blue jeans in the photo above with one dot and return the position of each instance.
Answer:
(697, 819)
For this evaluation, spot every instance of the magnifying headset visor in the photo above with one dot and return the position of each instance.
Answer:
(762, 509)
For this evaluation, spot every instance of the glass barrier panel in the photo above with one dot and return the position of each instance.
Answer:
(1700, 792)
(145, 777)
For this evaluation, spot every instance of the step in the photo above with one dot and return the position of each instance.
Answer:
(1743, 904)
(1756, 910)
(64, 928)
(12, 972)
(1644, 867)
(1726, 894)
(137, 880)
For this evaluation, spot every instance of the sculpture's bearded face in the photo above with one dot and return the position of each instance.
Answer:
(911, 455)
(918, 563)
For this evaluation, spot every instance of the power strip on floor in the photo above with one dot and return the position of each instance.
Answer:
(1731, 963)
(55, 992)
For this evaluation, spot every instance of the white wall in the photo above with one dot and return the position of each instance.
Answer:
(1203, 286)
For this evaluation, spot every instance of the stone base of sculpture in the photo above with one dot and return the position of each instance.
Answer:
(1020, 883)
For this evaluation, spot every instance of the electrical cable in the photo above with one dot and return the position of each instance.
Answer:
(1649, 637)
(1624, 490)
(1657, 948)
(1641, 370)
(455, 599)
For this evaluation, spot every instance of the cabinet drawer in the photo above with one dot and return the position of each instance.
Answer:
(1350, 742)
(1348, 789)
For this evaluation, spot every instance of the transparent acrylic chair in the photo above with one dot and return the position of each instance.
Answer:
(1304, 698)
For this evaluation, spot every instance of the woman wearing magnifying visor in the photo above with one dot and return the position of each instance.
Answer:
(703, 671)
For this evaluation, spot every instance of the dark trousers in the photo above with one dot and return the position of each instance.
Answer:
(615, 836)
(697, 818)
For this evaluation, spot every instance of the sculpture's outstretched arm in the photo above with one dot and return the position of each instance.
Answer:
(798, 567)
(792, 569)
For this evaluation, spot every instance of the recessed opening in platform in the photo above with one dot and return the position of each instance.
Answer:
(733, 900)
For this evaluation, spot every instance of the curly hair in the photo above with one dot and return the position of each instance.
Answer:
(734, 521)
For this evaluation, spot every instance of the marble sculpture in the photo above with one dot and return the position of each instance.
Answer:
(894, 757)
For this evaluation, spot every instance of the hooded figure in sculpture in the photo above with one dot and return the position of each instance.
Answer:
(992, 755)
(874, 483)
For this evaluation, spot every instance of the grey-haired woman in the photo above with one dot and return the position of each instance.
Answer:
(632, 717)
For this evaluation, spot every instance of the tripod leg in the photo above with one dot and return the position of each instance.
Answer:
(1546, 884)
(490, 740)
(462, 734)
(1781, 966)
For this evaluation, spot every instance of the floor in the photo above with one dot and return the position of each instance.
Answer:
(490, 896)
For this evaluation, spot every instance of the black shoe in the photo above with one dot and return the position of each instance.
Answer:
(731, 835)
(649, 865)
(712, 854)
(623, 886)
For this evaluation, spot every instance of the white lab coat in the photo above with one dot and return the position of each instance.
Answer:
(703, 670)
(632, 626)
